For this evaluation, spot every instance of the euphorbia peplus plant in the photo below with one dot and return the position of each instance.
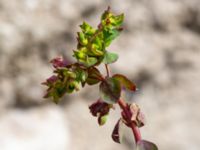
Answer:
(91, 52)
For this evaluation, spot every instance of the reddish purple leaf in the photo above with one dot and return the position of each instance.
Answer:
(50, 80)
(59, 62)
(125, 82)
(116, 135)
(99, 108)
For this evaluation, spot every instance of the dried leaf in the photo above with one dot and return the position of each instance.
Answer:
(137, 115)
(141, 121)
(134, 111)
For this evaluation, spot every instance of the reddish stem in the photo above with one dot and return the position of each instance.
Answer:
(107, 70)
(135, 129)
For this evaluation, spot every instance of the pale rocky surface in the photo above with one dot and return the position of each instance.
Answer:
(34, 129)
(159, 50)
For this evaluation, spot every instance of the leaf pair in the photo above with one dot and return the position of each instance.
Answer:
(140, 145)
(129, 115)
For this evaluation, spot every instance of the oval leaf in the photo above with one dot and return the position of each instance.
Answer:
(116, 134)
(93, 76)
(91, 61)
(125, 82)
(110, 58)
(109, 36)
(146, 145)
(100, 108)
(102, 119)
(110, 90)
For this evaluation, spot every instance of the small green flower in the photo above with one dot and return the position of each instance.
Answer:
(82, 38)
(87, 29)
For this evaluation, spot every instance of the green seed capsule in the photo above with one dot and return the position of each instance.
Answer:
(82, 39)
(96, 51)
(72, 74)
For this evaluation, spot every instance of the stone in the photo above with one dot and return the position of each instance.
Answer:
(34, 129)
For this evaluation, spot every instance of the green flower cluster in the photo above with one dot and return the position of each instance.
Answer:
(92, 43)
(91, 51)
(66, 80)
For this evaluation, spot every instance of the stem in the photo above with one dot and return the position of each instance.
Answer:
(135, 129)
(107, 70)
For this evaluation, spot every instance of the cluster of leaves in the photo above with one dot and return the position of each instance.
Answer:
(92, 51)
(92, 43)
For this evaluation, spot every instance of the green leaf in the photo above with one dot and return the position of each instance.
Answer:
(105, 14)
(110, 90)
(110, 57)
(87, 29)
(91, 61)
(56, 91)
(82, 39)
(81, 54)
(81, 75)
(102, 119)
(96, 51)
(146, 145)
(94, 76)
(117, 20)
(73, 85)
(110, 21)
(98, 41)
(125, 82)
(109, 36)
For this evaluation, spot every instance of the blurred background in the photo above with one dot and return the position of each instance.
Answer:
(159, 50)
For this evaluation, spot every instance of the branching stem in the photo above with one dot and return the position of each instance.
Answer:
(135, 129)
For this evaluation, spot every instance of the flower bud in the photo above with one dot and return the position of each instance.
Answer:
(82, 39)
